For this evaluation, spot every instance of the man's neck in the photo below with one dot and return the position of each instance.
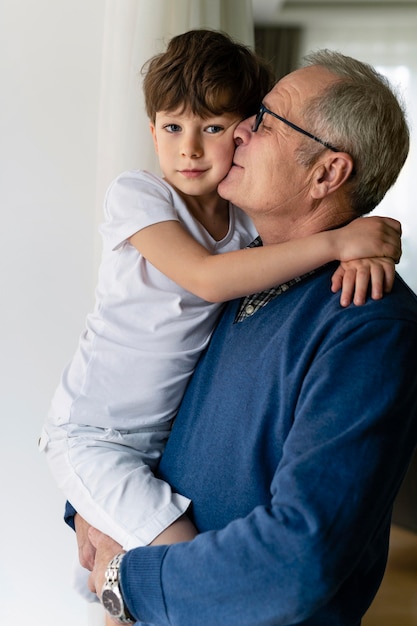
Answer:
(277, 229)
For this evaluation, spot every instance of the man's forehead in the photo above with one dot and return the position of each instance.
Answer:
(294, 88)
(284, 94)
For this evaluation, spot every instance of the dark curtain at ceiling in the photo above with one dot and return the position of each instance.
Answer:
(280, 46)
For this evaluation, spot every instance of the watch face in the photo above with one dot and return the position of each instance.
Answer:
(111, 602)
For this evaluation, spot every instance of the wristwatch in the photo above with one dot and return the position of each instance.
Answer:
(111, 596)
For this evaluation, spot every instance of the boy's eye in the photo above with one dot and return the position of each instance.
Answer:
(172, 128)
(213, 129)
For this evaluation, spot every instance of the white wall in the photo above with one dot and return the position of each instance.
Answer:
(50, 55)
(50, 71)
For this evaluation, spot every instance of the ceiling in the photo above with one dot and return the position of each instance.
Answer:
(278, 4)
(266, 9)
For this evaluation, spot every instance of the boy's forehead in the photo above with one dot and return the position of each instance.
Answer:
(216, 99)
(185, 112)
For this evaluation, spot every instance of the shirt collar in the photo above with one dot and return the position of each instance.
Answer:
(251, 304)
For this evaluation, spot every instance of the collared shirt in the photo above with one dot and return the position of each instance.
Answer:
(250, 304)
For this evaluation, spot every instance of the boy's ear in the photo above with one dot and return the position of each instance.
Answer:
(331, 173)
(153, 132)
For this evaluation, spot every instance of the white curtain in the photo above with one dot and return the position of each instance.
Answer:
(135, 30)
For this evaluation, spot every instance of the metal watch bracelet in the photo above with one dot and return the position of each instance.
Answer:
(111, 596)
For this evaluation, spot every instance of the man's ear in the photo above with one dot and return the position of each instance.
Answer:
(330, 174)
(153, 133)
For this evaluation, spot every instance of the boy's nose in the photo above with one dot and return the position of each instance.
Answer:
(191, 147)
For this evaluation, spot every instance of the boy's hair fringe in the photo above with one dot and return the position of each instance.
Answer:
(208, 73)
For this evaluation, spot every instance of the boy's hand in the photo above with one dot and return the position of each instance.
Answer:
(353, 277)
(369, 237)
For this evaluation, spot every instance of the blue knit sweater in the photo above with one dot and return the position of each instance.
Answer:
(292, 441)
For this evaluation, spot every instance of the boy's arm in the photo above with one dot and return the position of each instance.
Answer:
(217, 278)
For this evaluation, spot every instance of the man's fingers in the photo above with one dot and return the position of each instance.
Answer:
(94, 536)
(91, 584)
(102, 541)
(86, 557)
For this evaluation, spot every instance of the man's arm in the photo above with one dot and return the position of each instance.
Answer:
(331, 496)
(89, 537)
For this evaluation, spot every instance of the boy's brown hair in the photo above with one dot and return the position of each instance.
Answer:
(208, 73)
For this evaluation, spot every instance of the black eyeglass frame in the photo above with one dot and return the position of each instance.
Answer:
(263, 109)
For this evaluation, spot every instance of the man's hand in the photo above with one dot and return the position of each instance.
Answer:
(105, 549)
(86, 550)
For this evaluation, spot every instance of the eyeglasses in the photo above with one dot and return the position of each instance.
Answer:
(263, 110)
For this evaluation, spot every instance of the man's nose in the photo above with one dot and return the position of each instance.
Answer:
(243, 130)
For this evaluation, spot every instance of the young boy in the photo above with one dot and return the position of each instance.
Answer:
(161, 282)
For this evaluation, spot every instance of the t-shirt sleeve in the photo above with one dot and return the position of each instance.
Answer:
(135, 200)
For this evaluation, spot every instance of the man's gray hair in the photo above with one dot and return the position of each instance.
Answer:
(359, 114)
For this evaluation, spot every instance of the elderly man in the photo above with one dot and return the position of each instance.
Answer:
(301, 417)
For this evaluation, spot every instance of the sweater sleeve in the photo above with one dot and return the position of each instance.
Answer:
(69, 515)
(343, 461)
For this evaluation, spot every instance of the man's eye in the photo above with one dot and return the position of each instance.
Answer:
(264, 126)
(213, 129)
(172, 128)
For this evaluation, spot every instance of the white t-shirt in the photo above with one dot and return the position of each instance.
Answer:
(140, 345)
